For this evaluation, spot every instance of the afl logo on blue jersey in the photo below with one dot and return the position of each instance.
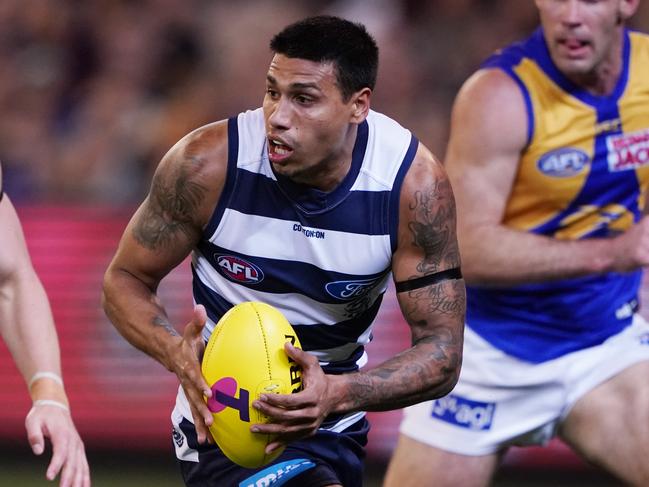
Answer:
(348, 290)
(562, 163)
(239, 270)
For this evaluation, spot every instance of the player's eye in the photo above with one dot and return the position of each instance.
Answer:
(303, 99)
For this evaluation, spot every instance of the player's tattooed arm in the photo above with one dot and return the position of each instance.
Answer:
(163, 323)
(433, 227)
(434, 312)
(161, 234)
(172, 209)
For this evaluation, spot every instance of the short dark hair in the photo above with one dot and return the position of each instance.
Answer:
(325, 38)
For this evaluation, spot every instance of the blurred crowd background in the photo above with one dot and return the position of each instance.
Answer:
(94, 92)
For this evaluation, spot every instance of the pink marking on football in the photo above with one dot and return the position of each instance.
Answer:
(226, 385)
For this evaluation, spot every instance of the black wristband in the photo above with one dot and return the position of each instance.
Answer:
(429, 279)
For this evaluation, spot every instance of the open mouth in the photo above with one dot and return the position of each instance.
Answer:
(573, 46)
(278, 151)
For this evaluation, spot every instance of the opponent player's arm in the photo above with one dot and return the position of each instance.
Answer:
(26, 321)
(160, 235)
(27, 327)
(488, 132)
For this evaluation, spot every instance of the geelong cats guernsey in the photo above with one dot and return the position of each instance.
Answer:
(323, 259)
(583, 174)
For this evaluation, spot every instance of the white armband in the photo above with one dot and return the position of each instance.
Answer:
(45, 375)
(50, 402)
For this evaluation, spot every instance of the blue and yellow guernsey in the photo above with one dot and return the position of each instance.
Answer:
(583, 174)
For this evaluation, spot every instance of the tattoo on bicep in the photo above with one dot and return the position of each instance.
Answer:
(162, 322)
(170, 210)
(433, 228)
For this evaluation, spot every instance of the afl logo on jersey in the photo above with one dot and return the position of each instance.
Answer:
(239, 270)
(348, 290)
(562, 163)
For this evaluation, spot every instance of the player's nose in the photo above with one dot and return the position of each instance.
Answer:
(280, 114)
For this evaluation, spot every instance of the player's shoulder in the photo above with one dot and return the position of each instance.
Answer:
(425, 172)
(201, 154)
(490, 113)
(490, 87)
(194, 169)
(496, 82)
(208, 143)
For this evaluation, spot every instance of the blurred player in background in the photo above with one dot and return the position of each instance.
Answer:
(27, 327)
(310, 204)
(549, 157)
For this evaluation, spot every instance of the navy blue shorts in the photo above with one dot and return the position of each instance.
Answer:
(323, 459)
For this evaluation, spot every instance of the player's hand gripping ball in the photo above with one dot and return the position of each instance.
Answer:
(245, 358)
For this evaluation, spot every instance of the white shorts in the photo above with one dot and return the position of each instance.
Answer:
(501, 401)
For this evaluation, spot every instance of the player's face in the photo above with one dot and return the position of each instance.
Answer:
(584, 36)
(309, 127)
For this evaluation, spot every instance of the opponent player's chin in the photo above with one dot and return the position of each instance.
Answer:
(576, 65)
(575, 61)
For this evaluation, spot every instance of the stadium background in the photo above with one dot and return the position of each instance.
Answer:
(93, 93)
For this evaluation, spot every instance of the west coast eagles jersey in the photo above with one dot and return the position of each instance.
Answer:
(583, 174)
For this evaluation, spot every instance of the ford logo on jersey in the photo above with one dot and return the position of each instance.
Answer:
(562, 163)
(464, 412)
(348, 290)
(239, 270)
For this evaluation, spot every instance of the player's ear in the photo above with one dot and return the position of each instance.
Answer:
(360, 105)
(627, 8)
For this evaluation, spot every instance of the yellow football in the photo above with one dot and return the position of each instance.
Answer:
(244, 358)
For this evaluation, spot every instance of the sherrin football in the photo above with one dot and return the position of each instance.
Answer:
(244, 358)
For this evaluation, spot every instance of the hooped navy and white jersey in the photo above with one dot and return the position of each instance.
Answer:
(323, 259)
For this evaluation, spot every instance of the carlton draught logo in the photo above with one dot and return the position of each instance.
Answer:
(628, 151)
(239, 270)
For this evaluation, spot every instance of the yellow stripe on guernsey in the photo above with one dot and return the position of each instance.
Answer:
(577, 141)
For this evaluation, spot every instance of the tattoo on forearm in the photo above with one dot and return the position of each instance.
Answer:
(433, 227)
(435, 314)
(411, 376)
(162, 322)
(171, 208)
